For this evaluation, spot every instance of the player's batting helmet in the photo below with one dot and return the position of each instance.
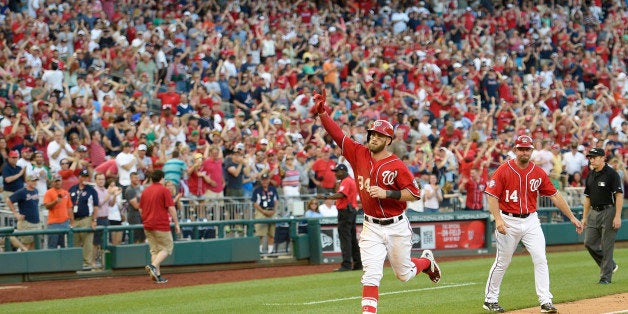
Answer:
(524, 141)
(382, 127)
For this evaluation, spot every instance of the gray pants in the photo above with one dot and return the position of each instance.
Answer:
(599, 239)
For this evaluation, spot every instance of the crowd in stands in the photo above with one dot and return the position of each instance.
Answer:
(217, 93)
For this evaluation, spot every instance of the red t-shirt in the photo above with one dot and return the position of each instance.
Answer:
(349, 189)
(155, 201)
(323, 172)
(172, 99)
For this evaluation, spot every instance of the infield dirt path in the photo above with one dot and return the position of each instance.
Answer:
(617, 303)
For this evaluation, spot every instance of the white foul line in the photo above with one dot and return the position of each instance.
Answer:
(12, 287)
(381, 294)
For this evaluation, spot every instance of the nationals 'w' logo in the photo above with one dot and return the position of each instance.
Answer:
(388, 177)
(535, 184)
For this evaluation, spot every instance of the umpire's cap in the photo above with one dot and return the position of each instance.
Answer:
(340, 167)
(596, 152)
(524, 141)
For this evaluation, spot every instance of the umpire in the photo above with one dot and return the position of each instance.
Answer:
(346, 203)
(603, 201)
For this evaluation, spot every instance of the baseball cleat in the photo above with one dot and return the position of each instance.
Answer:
(161, 280)
(493, 307)
(152, 272)
(548, 308)
(434, 270)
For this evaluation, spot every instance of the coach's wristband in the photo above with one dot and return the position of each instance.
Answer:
(394, 194)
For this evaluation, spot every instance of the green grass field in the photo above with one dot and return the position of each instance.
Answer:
(574, 276)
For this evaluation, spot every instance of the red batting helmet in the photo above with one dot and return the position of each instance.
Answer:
(524, 141)
(382, 127)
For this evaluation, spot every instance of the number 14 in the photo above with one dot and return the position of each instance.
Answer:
(511, 197)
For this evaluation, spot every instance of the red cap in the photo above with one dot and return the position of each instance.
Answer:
(524, 141)
(302, 154)
(172, 84)
(137, 94)
(14, 153)
(271, 152)
(26, 149)
(22, 104)
(326, 149)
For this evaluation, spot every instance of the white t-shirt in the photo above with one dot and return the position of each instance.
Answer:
(55, 163)
(124, 176)
(328, 211)
(54, 79)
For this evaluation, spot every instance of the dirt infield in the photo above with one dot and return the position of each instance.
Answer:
(617, 303)
(60, 289)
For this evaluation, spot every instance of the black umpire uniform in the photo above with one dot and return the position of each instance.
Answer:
(603, 198)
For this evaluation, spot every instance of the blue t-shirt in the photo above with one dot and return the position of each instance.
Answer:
(83, 200)
(8, 171)
(27, 204)
(265, 198)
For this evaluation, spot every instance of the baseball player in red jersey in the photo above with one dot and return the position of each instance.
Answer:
(513, 192)
(384, 184)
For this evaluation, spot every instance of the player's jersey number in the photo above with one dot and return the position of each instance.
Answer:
(511, 196)
(363, 183)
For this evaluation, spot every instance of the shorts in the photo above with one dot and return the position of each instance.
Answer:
(264, 229)
(100, 221)
(24, 225)
(159, 241)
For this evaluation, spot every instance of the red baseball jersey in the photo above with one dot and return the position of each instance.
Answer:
(348, 188)
(518, 189)
(389, 174)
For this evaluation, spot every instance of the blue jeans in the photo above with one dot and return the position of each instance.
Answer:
(58, 239)
(430, 210)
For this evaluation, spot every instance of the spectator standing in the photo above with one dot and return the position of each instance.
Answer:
(40, 169)
(102, 219)
(127, 163)
(513, 202)
(85, 213)
(322, 173)
(603, 202)
(346, 203)
(474, 186)
(574, 161)
(12, 175)
(132, 203)
(236, 168)
(116, 216)
(432, 195)
(174, 169)
(27, 212)
(265, 199)
(57, 150)
(197, 185)
(157, 208)
(59, 205)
